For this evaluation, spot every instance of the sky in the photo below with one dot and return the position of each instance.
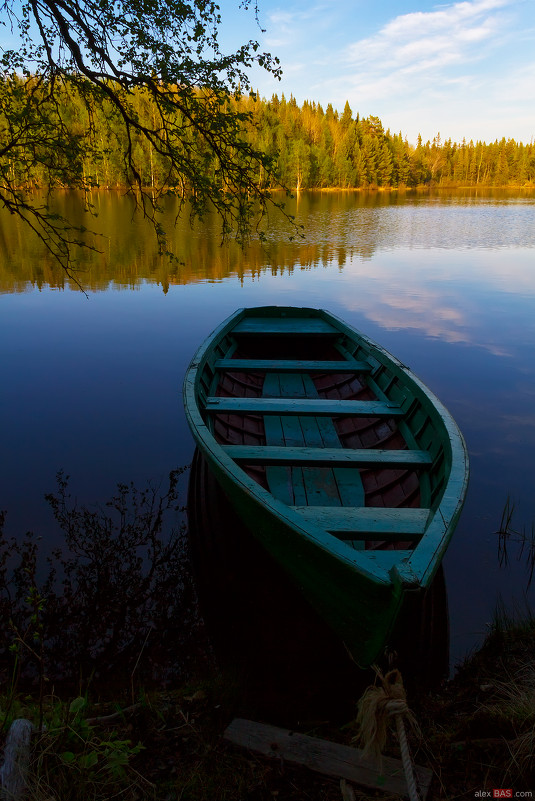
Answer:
(458, 69)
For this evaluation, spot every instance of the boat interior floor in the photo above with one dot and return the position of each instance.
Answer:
(306, 487)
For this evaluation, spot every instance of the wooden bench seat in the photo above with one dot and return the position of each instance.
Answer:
(402, 523)
(317, 407)
(292, 365)
(327, 457)
(291, 326)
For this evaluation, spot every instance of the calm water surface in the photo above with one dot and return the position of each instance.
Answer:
(446, 282)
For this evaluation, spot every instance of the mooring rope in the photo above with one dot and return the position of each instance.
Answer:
(378, 704)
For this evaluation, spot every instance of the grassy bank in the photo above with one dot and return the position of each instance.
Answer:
(476, 734)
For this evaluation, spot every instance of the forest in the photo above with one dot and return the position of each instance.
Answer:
(312, 148)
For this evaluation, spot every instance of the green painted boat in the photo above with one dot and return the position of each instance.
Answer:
(346, 468)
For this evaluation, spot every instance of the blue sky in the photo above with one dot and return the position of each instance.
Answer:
(461, 69)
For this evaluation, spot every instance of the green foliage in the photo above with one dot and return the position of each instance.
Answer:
(116, 600)
(96, 92)
(306, 149)
(75, 757)
(342, 152)
(140, 95)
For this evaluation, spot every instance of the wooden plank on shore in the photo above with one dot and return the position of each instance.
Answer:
(323, 756)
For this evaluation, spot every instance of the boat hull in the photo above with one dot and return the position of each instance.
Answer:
(362, 611)
(265, 633)
(408, 445)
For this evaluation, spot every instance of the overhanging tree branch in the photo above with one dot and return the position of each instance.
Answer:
(155, 76)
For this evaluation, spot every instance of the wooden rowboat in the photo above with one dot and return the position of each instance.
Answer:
(344, 466)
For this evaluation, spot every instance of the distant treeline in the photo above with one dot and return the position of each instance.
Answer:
(313, 149)
(320, 149)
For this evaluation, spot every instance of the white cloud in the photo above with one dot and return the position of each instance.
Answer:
(441, 70)
(423, 40)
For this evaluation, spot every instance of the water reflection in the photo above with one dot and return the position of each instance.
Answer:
(340, 228)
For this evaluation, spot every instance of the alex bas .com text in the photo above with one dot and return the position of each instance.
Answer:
(503, 793)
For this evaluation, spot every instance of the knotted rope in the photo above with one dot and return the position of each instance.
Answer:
(378, 704)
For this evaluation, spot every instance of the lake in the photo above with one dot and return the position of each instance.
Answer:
(91, 383)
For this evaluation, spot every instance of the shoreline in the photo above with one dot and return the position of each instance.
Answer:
(476, 733)
(295, 191)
